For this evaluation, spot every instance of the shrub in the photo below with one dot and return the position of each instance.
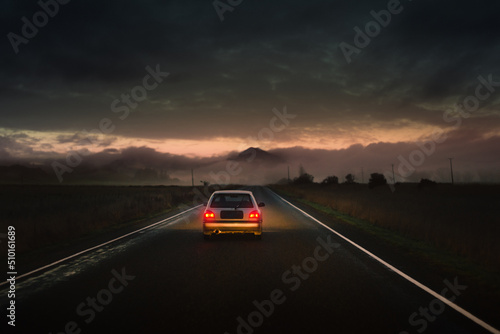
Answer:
(330, 180)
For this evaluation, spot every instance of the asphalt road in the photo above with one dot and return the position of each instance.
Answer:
(300, 278)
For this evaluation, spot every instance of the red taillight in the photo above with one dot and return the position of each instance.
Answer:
(254, 214)
(209, 214)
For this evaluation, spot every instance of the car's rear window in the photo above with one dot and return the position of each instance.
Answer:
(231, 201)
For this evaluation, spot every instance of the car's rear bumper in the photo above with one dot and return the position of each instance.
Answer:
(216, 227)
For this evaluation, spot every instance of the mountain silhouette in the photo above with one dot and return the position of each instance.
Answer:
(257, 155)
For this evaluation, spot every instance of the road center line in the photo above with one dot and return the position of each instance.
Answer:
(400, 273)
(103, 244)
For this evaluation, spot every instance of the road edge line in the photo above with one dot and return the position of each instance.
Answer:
(100, 245)
(400, 273)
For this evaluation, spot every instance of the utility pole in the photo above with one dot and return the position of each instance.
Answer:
(393, 177)
(288, 174)
(192, 177)
(451, 170)
(362, 175)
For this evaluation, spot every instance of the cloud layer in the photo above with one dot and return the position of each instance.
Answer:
(226, 77)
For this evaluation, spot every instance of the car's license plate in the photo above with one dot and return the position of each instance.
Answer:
(231, 214)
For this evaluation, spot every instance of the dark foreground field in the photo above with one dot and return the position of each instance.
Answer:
(44, 215)
(461, 219)
(301, 277)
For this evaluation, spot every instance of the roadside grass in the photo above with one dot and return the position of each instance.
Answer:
(49, 215)
(424, 248)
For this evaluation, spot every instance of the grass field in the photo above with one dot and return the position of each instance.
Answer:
(462, 219)
(45, 215)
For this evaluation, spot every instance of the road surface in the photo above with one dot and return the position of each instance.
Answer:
(300, 278)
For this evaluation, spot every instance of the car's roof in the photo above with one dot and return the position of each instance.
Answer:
(233, 192)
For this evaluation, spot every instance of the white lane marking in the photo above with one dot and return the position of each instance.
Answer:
(400, 273)
(103, 244)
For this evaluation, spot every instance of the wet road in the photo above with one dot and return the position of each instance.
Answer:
(299, 278)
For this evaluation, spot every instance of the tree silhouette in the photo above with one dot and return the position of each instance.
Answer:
(376, 179)
(426, 183)
(304, 179)
(349, 179)
(330, 180)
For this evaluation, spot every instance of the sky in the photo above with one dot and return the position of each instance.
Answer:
(337, 86)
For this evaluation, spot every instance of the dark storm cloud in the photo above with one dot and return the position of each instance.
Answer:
(80, 139)
(76, 138)
(19, 144)
(263, 55)
(7, 144)
(472, 162)
(145, 157)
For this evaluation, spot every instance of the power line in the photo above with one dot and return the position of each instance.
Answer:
(451, 170)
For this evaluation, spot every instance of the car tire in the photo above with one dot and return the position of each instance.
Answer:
(206, 237)
(258, 236)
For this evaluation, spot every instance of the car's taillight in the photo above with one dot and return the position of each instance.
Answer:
(209, 214)
(254, 214)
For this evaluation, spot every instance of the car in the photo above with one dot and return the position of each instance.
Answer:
(232, 211)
